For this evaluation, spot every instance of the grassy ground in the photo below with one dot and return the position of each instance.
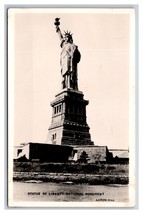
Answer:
(116, 169)
(76, 173)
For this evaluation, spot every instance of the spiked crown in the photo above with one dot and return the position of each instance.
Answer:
(68, 33)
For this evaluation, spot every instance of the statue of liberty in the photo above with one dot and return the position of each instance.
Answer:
(70, 57)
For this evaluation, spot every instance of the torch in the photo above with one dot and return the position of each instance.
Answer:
(57, 23)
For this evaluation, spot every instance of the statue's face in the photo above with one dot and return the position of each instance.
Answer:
(67, 39)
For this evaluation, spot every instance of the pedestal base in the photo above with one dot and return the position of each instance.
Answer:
(68, 126)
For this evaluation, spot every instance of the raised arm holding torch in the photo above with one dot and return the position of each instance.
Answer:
(70, 56)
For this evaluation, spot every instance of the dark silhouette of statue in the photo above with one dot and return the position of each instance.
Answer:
(70, 57)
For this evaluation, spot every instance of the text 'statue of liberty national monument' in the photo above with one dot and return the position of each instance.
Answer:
(69, 126)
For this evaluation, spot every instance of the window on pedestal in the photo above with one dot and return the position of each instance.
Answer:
(54, 138)
(81, 109)
(76, 108)
(54, 110)
(71, 108)
(57, 109)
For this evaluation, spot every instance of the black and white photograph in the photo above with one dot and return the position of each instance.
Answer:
(71, 107)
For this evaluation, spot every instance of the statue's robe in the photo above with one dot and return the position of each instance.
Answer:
(70, 56)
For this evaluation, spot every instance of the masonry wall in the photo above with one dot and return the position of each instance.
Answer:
(55, 135)
(95, 153)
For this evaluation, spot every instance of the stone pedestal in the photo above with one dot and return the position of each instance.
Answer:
(69, 126)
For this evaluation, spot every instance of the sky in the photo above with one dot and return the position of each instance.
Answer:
(103, 39)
